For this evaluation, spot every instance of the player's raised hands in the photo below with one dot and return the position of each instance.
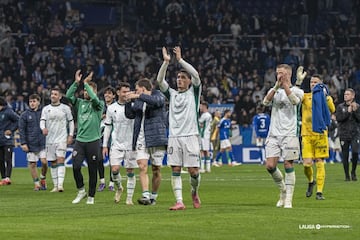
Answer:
(89, 77)
(166, 55)
(300, 75)
(78, 76)
(177, 51)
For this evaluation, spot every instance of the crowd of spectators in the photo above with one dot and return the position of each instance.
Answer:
(235, 45)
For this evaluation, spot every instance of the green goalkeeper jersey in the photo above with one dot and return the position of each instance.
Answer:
(89, 114)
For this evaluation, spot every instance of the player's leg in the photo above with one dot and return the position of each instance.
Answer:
(32, 159)
(355, 158)
(44, 169)
(51, 157)
(93, 157)
(60, 159)
(175, 161)
(291, 151)
(191, 161)
(130, 164)
(78, 158)
(8, 162)
(277, 176)
(308, 154)
(345, 145)
(142, 158)
(321, 153)
(111, 182)
(272, 157)
(2, 166)
(157, 156)
(101, 171)
(289, 182)
(116, 157)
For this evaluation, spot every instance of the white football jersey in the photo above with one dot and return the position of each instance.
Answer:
(284, 115)
(183, 112)
(122, 127)
(56, 119)
(206, 120)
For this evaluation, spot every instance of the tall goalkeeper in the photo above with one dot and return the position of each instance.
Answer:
(316, 108)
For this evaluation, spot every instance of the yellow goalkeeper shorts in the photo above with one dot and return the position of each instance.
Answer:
(316, 146)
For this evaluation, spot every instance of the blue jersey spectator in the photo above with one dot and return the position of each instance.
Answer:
(261, 123)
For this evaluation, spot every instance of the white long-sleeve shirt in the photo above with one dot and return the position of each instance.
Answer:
(284, 114)
(59, 121)
(183, 106)
(120, 127)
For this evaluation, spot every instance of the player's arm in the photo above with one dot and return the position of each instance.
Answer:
(356, 111)
(106, 136)
(294, 97)
(14, 119)
(330, 104)
(43, 122)
(154, 100)
(22, 132)
(342, 116)
(270, 94)
(70, 93)
(164, 86)
(130, 112)
(195, 78)
(300, 76)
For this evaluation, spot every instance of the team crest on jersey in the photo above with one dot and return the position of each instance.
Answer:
(30, 117)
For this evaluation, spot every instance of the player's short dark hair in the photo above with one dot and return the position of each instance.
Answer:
(35, 96)
(185, 72)
(205, 104)
(56, 89)
(121, 85)
(226, 111)
(144, 82)
(110, 89)
(317, 76)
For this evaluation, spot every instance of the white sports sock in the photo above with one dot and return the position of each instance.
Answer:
(61, 175)
(130, 185)
(153, 196)
(54, 176)
(102, 180)
(117, 179)
(290, 184)
(202, 164)
(278, 179)
(208, 165)
(177, 187)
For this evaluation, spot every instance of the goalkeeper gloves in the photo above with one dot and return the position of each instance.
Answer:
(300, 75)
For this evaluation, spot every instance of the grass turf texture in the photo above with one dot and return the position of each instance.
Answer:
(237, 203)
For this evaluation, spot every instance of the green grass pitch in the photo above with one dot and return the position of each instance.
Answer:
(237, 203)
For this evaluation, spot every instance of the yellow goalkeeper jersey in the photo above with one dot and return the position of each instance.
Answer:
(306, 114)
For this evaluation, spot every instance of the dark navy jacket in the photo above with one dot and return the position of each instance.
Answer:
(30, 132)
(155, 119)
(8, 121)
